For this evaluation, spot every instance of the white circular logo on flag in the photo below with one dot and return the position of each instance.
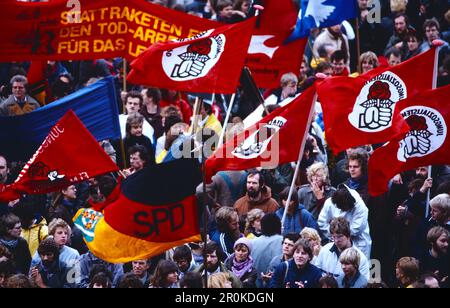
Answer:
(258, 142)
(194, 60)
(427, 135)
(374, 108)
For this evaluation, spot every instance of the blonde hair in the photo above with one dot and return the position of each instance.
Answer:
(314, 168)
(59, 223)
(218, 280)
(288, 78)
(441, 202)
(350, 256)
(310, 234)
(370, 57)
(178, 129)
(253, 215)
(398, 5)
(409, 268)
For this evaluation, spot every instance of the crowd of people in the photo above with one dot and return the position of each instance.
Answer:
(335, 235)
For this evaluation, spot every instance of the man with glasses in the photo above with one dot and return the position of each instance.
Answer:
(328, 258)
(19, 102)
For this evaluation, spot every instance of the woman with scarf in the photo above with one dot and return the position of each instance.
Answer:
(10, 230)
(241, 263)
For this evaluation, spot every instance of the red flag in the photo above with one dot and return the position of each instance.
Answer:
(268, 57)
(210, 62)
(86, 29)
(68, 155)
(426, 143)
(37, 80)
(361, 110)
(274, 140)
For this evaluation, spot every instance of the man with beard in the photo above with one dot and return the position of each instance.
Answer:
(439, 217)
(213, 264)
(258, 196)
(50, 273)
(437, 259)
(401, 28)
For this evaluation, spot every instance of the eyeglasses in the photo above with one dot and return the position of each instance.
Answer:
(335, 237)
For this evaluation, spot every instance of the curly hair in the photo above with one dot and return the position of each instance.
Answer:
(315, 168)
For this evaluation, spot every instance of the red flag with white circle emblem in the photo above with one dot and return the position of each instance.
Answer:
(362, 110)
(210, 62)
(426, 143)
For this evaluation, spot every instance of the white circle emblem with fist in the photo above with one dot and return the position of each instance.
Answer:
(427, 134)
(374, 108)
(194, 60)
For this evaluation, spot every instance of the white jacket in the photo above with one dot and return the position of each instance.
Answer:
(357, 217)
(328, 261)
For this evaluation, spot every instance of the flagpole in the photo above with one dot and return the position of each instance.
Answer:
(124, 156)
(247, 76)
(122, 145)
(227, 118)
(427, 209)
(297, 167)
(434, 86)
(124, 81)
(205, 211)
(196, 111)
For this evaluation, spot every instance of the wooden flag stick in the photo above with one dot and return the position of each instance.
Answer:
(297, 167)
(225, 123)
(124, 89)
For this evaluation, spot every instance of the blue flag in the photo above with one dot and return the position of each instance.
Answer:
(321, 14)
(95, 105)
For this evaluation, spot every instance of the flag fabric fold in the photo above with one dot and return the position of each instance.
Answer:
(274, 140)
(269, 57)
(210, 62)
(426, 143)
(150, 212)
(362, 110)
(321, 14)
(67, 156)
